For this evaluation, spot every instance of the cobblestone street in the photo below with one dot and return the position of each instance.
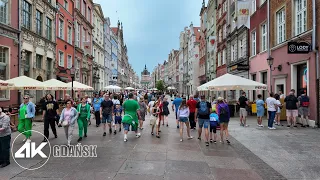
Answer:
(254, 153)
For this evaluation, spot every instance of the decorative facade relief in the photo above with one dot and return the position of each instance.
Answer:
(28, 37)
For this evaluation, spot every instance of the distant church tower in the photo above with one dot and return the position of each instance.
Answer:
(145, 78)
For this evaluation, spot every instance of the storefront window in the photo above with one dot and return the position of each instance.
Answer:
(302, 78)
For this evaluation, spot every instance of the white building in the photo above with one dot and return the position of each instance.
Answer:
(114, 57)
(98, 48)
(193, 59)
(38, 41)
(107, 52)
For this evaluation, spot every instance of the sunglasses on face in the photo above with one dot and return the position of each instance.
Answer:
(25, 98)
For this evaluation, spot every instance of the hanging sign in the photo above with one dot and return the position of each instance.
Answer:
(299, 47)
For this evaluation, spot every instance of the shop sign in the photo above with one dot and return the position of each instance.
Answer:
(241, 67)
(299, 47)
(260, 88)
(234, 67)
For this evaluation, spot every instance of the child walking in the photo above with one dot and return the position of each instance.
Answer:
(214, 120)
(117, 118)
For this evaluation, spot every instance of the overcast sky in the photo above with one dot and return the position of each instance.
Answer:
(151, 27)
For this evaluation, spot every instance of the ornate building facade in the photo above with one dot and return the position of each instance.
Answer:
(38, 58)
(107, 51)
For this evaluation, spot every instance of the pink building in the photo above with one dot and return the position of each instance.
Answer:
(9, 49)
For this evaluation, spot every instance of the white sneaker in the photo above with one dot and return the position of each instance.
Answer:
(181, 140)
(258, 125)
(125, 139)
(138, 135)
(28, 141)
(261, 125)
(272, 128)
(24, 140)
(191, 137)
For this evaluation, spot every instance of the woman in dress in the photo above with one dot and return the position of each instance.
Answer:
(165, 111)
(143, 112)
(224, 117)
(260, 110)
(68, 119)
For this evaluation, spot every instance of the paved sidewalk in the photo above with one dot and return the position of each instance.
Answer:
(254, 154)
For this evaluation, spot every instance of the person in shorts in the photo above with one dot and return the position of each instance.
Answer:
(202, 114)
(106, 111)
(175, 106)
(214, 120)
(117, 118)
(291, 108)
(224, 118)
(183, 114)
(243, 103)
(304, 111)
(131, 109)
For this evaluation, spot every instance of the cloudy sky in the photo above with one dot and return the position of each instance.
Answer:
(151, 27)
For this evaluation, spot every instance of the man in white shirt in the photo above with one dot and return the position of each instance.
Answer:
(272, 106)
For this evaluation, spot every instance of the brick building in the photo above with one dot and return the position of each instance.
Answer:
(202, 47)
(221, 32)
(9, 49)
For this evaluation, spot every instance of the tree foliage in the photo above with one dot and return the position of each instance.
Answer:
(160, 85)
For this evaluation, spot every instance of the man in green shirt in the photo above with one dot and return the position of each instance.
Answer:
(26, 114)
(131, 110)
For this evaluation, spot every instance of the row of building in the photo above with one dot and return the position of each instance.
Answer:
(272, 42)
(61, 39)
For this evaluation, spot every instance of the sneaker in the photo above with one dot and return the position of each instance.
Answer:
(303, 126)
(295, 126)
(119, 129)
(272, 128)
(215, 142)
(241, 124)
(125, 139)
(55, 136)
(199, 138)
(178, 127)
(221, 141)
(80, 139)
(115, 132)
(110, 131)
(152, 133)
(228, 141)
(85, 135)
(288, 126)
(28, 141)
(191, 137)
(181, 140)
(167, 125)
(211, 140)
(246, 125)
(258, 125)
(104, 134)
(207, 143)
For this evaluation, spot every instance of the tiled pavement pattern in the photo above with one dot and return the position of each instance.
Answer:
(253, 155)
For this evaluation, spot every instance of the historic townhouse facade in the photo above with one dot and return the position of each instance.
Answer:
(203, 46)
(259, 69)
(221, 38)
(65, 42)
(114, 56)
(211, 39)
(98, 80)
(83, 39)
(38, 49)
(291, 22)
(9, 49)
(193, 59)
(107, 52)
(237, 47)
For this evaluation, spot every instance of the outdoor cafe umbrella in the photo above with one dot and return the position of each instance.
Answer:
(79, 86)
(5, 85)
(25, 83)
(129, 88)
(54, 84)
(112, 87)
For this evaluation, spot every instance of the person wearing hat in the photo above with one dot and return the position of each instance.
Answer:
(224, 117)
(214, 120)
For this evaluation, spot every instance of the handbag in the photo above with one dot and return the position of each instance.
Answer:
(65, 123)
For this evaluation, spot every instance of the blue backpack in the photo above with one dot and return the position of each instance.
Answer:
(203, 110)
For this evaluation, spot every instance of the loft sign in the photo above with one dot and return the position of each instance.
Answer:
(299, 47)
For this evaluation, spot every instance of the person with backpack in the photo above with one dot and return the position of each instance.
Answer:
(224, 118)
(202, 115)
(214, 121)
(304, 112)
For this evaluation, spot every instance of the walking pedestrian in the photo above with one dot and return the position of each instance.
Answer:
(175, 106)
(166, 111)
(214, 121)
(183, 114)
(96, 107)
(83, 118)
(143, 112)
(154, 119)
(224, 118)
(192, 104)
(68, 118)
(117, 118)
(291, 108)
(272, 109)
(26, 114)
(278, 113)
(260, 110)
(5, 139)
(243, 103)
(50, 116)
(203, 111)
(132, 111)
(106, 111)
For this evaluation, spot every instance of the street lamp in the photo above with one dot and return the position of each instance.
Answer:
(72, 72)
(270, 63)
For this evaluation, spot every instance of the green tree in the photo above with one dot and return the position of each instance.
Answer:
(160, 85)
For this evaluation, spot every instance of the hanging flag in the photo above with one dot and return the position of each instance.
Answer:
(212, 43)
(87, 47)
(243, 13)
